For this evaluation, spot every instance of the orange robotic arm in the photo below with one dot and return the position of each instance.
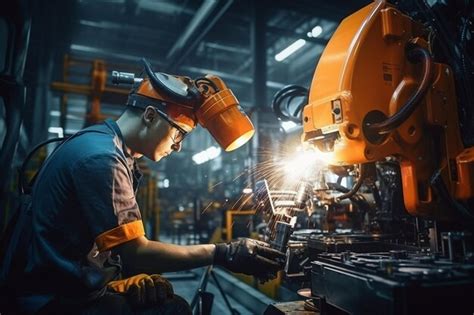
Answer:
(377, 93)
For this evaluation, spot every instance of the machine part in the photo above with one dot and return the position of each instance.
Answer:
(206, 100)
(359, 243)
(303, 194)
(124, 78)
(277, 206)
(282, 235)
(296, 258)
(283, 106)
(456, 243)
(371, 134)
(392, 283)
(356, 187)
(293, 307)
(422, 131)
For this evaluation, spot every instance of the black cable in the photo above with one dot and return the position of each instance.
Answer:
(282, 101)
(23, 181)
(192, 94)
(415, 54)
(356, 198)
(207, 82)
(356, 187)
(440, 187)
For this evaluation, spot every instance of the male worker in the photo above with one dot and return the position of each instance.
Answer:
(87, 227)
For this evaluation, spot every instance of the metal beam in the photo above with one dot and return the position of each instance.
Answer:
(231, 77)
(228, 48)
(94, 52)
(194, 25)
(259, 55)
(204, 20)
(290, 33)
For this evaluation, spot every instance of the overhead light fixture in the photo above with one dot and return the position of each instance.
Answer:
(288, 125)
(316, 31)
(282, 55)
(58, 130)
(206, 155)
(247, 191)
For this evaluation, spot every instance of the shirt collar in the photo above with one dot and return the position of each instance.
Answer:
(113, 125)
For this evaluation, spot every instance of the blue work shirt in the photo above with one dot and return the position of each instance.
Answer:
(83, 204)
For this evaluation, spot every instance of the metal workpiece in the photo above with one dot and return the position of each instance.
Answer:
(282, 235)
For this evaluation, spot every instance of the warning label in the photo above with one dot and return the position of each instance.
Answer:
(390, 73)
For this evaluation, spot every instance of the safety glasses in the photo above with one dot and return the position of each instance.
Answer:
(181, 132)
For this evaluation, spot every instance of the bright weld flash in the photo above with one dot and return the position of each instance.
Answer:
(304, 163)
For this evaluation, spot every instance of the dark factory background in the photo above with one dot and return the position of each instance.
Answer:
(74, 45)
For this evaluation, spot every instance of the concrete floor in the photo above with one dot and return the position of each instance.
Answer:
(186, 284)
(187, 289)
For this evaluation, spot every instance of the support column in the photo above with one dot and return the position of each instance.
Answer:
(259, 76)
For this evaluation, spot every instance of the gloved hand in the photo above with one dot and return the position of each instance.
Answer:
(144, 289)
(250, 257)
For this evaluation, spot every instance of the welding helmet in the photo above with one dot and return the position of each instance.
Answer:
(205, 100)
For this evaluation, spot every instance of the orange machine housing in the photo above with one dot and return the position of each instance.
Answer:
(364, 73)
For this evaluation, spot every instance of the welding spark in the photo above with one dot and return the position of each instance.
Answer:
(215, 185)
(303, 164)
(207, 207)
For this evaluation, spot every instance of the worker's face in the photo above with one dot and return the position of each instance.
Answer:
(159, 138)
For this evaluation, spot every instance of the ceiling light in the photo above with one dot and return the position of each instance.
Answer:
(316, 31)
(206, 155)
(290, 50)
(57, 130)
(247, 191)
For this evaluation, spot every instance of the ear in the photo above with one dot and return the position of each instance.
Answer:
(150, 115)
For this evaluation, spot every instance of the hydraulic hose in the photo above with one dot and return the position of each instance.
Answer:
(356, 187)
(415, 55)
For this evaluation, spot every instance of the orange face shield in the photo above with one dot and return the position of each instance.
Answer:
(221, 116)
(206, 100)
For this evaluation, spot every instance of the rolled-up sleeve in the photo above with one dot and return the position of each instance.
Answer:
(104, 189)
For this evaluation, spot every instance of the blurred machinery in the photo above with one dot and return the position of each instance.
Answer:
(385, 227)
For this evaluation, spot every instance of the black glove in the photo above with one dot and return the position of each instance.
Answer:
(250, 257)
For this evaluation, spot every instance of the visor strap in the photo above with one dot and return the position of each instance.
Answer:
(139, 101)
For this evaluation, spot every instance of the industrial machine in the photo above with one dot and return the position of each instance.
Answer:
(385, 226)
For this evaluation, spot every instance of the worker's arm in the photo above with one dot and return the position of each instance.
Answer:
(141, 255)
(248, 256)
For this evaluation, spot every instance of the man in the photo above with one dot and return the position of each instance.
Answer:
(87, 227)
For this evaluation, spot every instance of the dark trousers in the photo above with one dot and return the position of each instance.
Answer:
(112, 303)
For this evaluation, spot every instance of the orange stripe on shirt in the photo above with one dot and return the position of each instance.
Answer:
(121, 234)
